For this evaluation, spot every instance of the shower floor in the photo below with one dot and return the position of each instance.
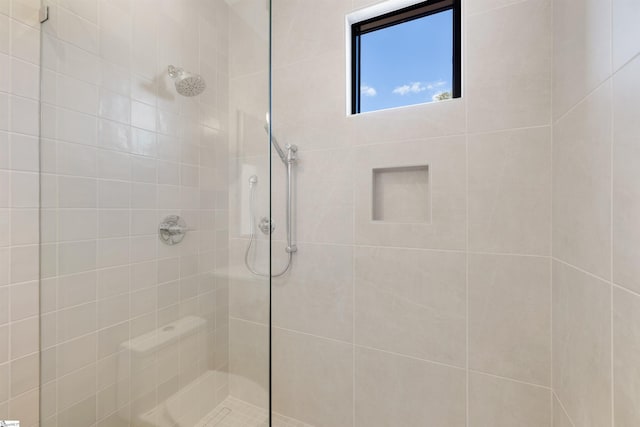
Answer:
(234, 412)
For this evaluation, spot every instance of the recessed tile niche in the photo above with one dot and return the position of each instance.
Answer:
(401, 194)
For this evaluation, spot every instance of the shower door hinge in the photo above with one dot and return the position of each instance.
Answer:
(44, 14)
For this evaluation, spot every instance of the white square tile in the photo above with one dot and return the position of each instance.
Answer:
(75, 257)
(76, 159)
(76, 127)
(76, 192)
(496, 402)
(143, 116)
(25, 79)
(5, 72)
(580, 62)
(626, 346)
(24, 190)
(626, 14)
(626, 192)
(78, 31)
(386, 387)
(5, 189)
(113, 194)
(24, 153)
(78, 63)
(24, 226)
(510, 192)
(5, 31)
(4, 111)
(508, 81)
(24, 263)
(582, 343)
(24, 300)
(411, 302)
(582, 185)
(77, 95)
(26, 11)
(510, 317)
(76, 224)
(87, 9)
(25, 42)
(25, 115)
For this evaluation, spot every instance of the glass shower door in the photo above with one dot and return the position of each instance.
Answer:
(152, 112)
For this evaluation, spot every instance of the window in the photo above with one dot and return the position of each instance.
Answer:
(407, 56)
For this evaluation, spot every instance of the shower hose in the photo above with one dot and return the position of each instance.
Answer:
(291, 248)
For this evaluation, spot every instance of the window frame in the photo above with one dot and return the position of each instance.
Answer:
(399, 16)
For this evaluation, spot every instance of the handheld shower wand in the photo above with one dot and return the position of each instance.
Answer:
(289, 159)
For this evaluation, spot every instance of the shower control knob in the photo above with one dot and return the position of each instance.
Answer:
(266, 226)
(172, 230)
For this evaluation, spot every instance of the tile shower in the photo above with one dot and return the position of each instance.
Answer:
(507, 294)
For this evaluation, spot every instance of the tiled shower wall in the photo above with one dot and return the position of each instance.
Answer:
(19, 83)
(120, 151)
(396, 326)
(596, 206)
(446, 323)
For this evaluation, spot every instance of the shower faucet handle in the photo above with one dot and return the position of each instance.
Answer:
(267, 226)
(172, 230)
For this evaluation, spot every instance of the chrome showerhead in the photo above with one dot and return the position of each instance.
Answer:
(187, 84)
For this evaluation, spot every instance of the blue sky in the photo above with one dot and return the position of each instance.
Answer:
(407, 63)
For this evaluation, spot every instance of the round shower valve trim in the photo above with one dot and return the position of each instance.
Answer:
(266, 226)
(172, 230)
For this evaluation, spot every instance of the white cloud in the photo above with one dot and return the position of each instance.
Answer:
(417, 87)
(368, 90)
(414, 87)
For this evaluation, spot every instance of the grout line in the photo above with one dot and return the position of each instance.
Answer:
(510, 130)
(467, 257)
(439, 139)
(581, 101)
(10, 177)
(622, 288)
(294, 331)
(595, 276)
(464, 18)
(353, 288)
(401, 248)
(265, 325)
(564, 410)
(475, 371)
(550, 354)
(611, 212)
(551, 183)
(624, 65)
(406, 356)
(429, 139)
(120, 323)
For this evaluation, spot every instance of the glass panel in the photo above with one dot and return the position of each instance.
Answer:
(151, 110)
(408, 63)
